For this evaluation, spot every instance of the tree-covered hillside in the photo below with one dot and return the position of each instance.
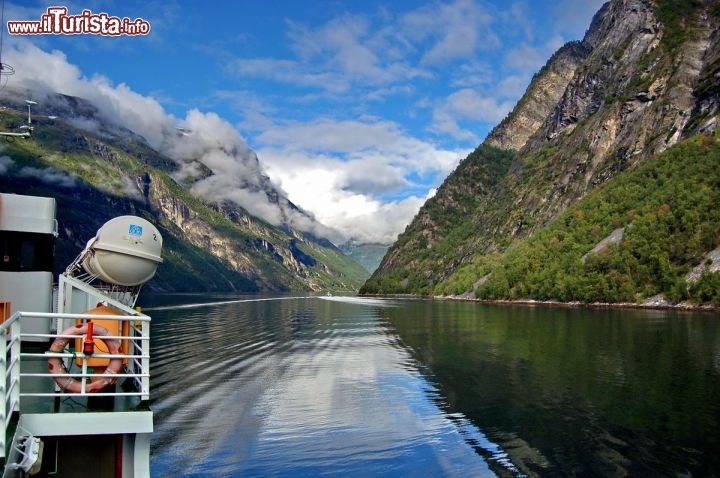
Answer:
(668, 210)
(442, 229)
(665, 210)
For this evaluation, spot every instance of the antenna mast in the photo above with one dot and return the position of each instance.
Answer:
(5, 69)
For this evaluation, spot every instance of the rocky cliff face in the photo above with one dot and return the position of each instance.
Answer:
(270, 259)
(645, 77)
(540, 100)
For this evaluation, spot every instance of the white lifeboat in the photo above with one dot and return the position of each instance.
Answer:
(125, 251)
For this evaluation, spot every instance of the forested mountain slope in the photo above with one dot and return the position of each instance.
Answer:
(585, 153)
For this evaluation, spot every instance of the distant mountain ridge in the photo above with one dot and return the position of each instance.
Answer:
(367, 255)
(97, 170)
(645, 77)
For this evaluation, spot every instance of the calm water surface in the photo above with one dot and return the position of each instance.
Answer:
(373, 387)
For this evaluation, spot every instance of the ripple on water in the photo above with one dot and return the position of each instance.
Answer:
(304, 387)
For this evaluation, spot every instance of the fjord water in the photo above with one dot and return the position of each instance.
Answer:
(346, 386)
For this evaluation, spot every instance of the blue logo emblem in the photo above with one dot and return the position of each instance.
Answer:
(135, 230)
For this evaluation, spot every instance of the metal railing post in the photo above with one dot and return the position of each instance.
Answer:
(15, 363)
(3, 389)
(145, 379)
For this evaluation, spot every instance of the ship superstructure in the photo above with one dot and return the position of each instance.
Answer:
(74, 359)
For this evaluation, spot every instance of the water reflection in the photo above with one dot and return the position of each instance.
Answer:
(576, 391)
(256, 386)
(300, 387)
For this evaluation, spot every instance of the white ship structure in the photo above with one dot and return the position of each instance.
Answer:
(74, 355)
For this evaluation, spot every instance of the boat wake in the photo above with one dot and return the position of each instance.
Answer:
(223, 302)
(360, 300)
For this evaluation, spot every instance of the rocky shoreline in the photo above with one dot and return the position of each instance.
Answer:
(651, 304)
(654, 303)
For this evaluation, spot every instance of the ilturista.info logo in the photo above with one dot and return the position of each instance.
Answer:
(57, 22)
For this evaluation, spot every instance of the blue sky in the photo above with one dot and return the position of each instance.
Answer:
(356, 109)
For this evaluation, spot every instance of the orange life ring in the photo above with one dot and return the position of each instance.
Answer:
(72, 385)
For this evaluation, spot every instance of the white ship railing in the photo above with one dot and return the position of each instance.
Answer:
(137, 369)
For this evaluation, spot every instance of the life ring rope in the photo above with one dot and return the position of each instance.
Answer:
(68, 382)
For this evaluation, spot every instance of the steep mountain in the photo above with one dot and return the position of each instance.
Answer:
(97, 170)
(602, 115)
(367, 255)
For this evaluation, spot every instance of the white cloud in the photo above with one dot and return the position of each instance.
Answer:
(378, 142)
(48, 175)
(324, 192)
(340, 171)
(473, 74)
(469, 104)
(288, 71)
(213, 141)
(457, 29)
(519, 16)
(528, 59)
(6, 163)
(344, 43)
(445, 123)
(344, 53)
